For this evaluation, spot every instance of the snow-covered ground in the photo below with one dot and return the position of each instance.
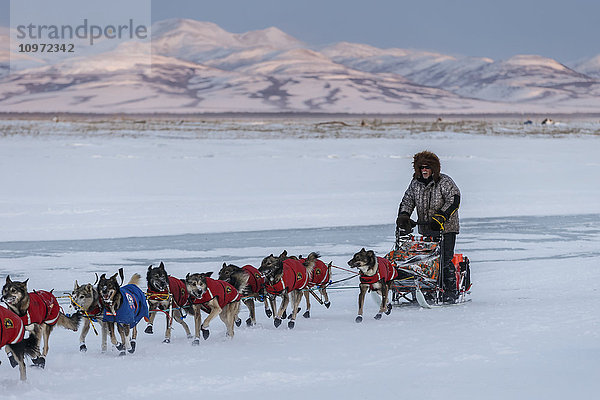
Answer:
(81, 198)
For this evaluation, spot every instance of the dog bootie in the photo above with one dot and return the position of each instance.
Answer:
(132, 349)
(358, 319)
(39, 362)
(149, 330)
(11, 359)
(327, 304)
(82, 348)
(291, 324)
(238, 322)
(249, 322)
(306, 314)
(205, 333)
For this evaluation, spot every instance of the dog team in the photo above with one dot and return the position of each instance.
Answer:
(287, 277)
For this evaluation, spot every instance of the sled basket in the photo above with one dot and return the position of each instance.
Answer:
(416, 257)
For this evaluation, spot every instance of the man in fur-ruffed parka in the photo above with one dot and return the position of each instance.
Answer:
(436, 199)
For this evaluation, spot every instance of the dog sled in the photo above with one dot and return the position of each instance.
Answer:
(418, 260)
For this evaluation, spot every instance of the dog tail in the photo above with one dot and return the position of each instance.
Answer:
(71, 322)
(310, 262)
(240, 281)
(27, 346)
(135, 279)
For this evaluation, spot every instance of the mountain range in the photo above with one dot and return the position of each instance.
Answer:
(198, 67)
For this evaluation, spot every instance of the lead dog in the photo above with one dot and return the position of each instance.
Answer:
(284, 276)
(86, 300)
(124, 306)
(214, 297)
(167, 294)
(376, 273)
(12, 331)
(254, 287)
(38, 308)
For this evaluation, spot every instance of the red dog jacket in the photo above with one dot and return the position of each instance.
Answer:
(176, 288)
(223, 291)
(43, 308)
(385, 271)
(11, 328)
(256, 281)
(294, 278)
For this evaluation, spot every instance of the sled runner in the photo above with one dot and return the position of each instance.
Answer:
(417, 260)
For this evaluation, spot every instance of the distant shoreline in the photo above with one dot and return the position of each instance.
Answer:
(141, 117)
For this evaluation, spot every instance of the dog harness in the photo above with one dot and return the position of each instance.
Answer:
(256, 281)
(223, 291)
(12, 328)
(294, 278)
(133, 308)
(176, 288)
(385, 272)
(43, 308)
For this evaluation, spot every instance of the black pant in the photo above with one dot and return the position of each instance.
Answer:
(449, 282)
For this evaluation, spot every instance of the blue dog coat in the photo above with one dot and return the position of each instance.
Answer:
(133, 308)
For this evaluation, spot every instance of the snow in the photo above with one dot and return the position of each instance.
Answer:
(83, 197)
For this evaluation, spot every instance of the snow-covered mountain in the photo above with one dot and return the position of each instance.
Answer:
(196, 67)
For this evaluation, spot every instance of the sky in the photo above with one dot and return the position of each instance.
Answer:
(563, 30)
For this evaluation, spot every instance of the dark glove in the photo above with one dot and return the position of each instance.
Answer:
(437, 222)
(404, 224)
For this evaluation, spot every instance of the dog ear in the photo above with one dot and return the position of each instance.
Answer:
(284, 254)
(25, 283)
(187, 277)
(102, 277)
(208, 274)
(162, 266)
(224, 265)
(150, 268)
(114, 276)
(76, 285)
(8, 279)
(363, 250)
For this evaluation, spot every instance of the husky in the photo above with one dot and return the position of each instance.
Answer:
(214, 297)
(86, 300)
(376, 273)
(12, 332)
(125, 306)
(254, 283)
(319, 278)
(39, 309)
(284, 276)
(167, 294)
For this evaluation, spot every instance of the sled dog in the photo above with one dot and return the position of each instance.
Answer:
(124, 306)
(254, 287)
(214, 297)
(40, 309)
(284, 276)
(85, 300)
(319, 278)
(376, 273)
(169, 295)
(12, 331)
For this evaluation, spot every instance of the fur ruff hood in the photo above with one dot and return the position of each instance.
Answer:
(427, 158)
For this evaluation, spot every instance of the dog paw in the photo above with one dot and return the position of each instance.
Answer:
(167, 340)
(132, 349)
(149, 330)
(120, 346)
(238, 322)
(12, 360)
(327, 304)
(389, 309)
(377, 316)
(82, 348)
(196, 342)
(249, 322)
(269, 313)
(358, 319)
(39, 362)
(291, 324)
(277, 322)
(205, 333)
(306, 314)
(284, 316)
